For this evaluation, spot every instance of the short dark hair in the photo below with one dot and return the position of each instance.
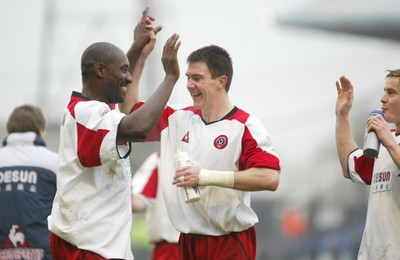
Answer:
(26, 118)
(217, 59)
(102, 52)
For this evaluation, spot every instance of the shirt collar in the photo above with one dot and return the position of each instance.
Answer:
(23, 138)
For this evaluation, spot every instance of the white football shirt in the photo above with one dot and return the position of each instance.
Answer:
(237, 142)
(92, 206)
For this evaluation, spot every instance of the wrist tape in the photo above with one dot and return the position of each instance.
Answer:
(224, 179)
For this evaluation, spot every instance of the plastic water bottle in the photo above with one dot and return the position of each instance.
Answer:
(192, 193)
(371, 141)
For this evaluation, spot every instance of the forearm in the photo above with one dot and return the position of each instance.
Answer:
(136, 126)
(133, 55)
(345, 142)
(156, 103)
(132, 93)
(257, 179)
(253, 179)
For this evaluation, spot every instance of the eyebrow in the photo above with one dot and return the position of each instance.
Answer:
(194, 75)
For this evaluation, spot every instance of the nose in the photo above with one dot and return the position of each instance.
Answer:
(383, 98)
(129, 77)
(190, 84)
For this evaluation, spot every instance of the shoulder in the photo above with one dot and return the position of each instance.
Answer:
(246, 118)
(182, 108)
(94, 111)
(241, 115)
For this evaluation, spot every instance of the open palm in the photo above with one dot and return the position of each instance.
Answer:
(345, 97)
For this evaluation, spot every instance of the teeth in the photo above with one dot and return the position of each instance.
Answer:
(124, 88)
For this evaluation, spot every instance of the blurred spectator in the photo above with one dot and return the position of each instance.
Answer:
(27, 186)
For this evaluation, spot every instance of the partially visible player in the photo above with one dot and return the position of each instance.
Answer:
(381, 238)
(147, 196)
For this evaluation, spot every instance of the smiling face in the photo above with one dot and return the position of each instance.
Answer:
(117, 78)
(105, 73)
(209, 76)
(391, 101)
(202, 87)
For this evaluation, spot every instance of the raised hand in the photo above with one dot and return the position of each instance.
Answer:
(142, 29)
(170, 56)
(345, 96)
(144, 35)
(149, 47)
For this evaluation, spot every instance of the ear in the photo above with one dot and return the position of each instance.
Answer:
(99, 69)
(222, 81)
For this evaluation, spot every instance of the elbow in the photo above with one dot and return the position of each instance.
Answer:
(273, 186)
(271, 182)
(133, 132)
(141, 133)
(139, 137)
(133, 135)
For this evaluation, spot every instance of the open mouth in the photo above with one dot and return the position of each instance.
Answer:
(195, 94)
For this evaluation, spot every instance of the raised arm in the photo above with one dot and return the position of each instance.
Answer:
(135, 126)
(132, 93)
(141, 37)
(144, 39)
(345, 142)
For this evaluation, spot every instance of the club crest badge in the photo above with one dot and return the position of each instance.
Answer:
(221, 142)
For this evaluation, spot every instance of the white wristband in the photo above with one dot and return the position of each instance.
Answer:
(224, 179)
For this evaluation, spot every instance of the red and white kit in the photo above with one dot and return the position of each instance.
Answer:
(237, 142)
(93, 181)
(160, 232)
(381, 238)
(145, 185)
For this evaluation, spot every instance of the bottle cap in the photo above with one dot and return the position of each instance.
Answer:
(376, 112)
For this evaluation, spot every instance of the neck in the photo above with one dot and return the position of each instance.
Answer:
(216, 113)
